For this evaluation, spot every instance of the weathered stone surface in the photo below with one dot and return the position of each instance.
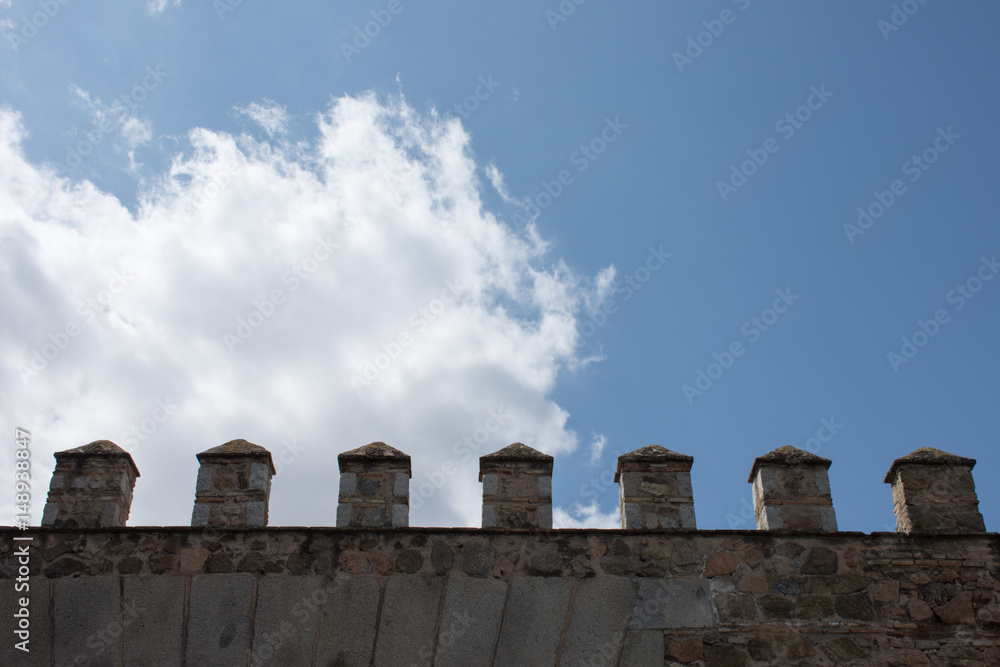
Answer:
(721, 562)
(598, 620)
(86, 619)
(672, 603)
(219, 621)
(687, 650)
(406, 631)
(535, 615)
(285, 619)
(153, 620)
(470, 623)
(958, 610)
(643, 647)
(843, 650)
(477, 559)
(348, 622)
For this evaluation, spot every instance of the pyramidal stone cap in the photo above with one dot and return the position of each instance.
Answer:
(928, 456)
(237, 448)
(514, 452)
(373, 453)
(651, 454)
(788, 456)
(104, 448)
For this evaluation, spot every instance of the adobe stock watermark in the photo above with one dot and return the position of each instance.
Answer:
(464, 449)
(753, 329)
(786, 126)
(265, 308)
(899, 16)
(584, 156)
(223, 7)
(420, 320)
(633, 282)
(482, 93)
(60, 339)
(363, 36)
(118, 112)
(714, 28)
(34, 23)
(915, 167)
(562, 12)
(962, 294)
(163, 410)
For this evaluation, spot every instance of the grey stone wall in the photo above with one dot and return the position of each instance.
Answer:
(324, 596)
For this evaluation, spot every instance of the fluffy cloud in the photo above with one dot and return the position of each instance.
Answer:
(310, 301)
(585, 516)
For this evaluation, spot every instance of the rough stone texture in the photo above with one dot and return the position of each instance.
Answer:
(470, 622)
(933, 491)
(234, 485)
(654, 486)
(598, 621)
(374, 487)
(91, 486)
(671, 603)
(535, 615)
(153, 620)
(218, 631)
(517, 488)
(791, 491)
(643, 647)
(406, 633)
(714, 597)
(348, 622)
(285, 619)
(86, 624)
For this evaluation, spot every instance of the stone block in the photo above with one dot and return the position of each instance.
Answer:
(219, 619)
(86, 620)
(534, 618)
(672, 603)
(347, 622)
(153, 620)
(598, 621)
(407, 629)
(643, 647)
(473, 609)
(285, 619)
(400, 516)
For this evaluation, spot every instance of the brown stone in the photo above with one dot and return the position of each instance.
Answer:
(130, 566)
(776, 607)
(353, 563)
(819, 561)
(843, 650)
(735, 607)
(759, 649)
(299, 563)
(218, 564)
(380, 562)
(686, 651)
(409, 561)
(725, 655)
(193, 560)
(885, 591)
(160, 563)
(752, 582)
(253, 562)
(919, 610)
(815, 607)
(721, 562)
(799, 647)
(855, 606)
(958, 610)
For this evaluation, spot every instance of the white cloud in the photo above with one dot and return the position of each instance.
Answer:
(597, 448)
(585, 516)
(157, 7)
(154, 291)
(270, 115)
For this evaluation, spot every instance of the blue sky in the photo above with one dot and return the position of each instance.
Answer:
(532, 164)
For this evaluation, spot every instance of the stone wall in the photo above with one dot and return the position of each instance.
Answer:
(419, 596)
(229, 590)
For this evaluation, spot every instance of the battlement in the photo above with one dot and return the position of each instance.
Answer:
(375, 591)
(932, 491)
